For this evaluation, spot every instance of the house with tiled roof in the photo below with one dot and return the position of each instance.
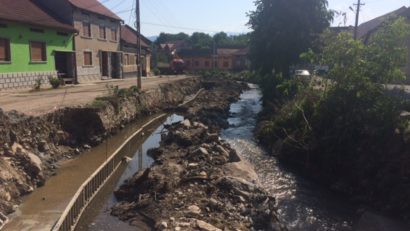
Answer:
(34, 45)
(129, 48)
(366, 29)
(227, 59)
(97, 45)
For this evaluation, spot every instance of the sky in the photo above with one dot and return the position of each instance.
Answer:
(212, 16)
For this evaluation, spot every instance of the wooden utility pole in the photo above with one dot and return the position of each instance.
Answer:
(359, 4)
(139, 56)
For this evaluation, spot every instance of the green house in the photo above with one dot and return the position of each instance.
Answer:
(33, 45)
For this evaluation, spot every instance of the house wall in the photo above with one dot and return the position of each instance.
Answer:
(21, 72)
(198, 63)
(131, 70)
(93, 44)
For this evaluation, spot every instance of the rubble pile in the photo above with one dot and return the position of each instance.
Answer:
(196, 183)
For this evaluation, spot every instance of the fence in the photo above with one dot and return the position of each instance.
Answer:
(92, 186)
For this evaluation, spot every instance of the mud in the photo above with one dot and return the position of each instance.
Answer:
(31, 148)
(198, 182)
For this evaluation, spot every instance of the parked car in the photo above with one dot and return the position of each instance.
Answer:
(302, 73)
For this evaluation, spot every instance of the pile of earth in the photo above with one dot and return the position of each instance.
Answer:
(197, 182)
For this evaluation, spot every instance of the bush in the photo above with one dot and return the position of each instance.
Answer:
(37, 83)
(156, 71)
(54, 82)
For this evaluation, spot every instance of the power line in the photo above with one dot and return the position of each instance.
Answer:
(179, 27)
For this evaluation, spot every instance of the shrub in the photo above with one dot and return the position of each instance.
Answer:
(156, 71)
(54, 82)
(37, 84)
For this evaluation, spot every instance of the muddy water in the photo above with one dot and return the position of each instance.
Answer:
(302, 204)
(42, 208)
(97, 216)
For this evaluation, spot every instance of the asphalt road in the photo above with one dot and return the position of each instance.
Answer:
(37, 103)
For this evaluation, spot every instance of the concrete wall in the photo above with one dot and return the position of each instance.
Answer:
(94, 44)
(17, 80)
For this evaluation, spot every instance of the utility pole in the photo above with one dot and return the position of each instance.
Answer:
(139, 56)
(359, 4)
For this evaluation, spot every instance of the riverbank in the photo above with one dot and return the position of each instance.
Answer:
(32, 147)
(197, 181)
(355, 149)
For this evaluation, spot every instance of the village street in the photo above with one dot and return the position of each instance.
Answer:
(45, 101)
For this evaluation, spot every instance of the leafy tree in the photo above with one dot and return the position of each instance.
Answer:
(201, 40)
(165, 37)
(283, 29)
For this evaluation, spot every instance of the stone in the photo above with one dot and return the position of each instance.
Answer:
(193, 209)
(86, 146)
(43, 146)
(204, 226)
(186, 123)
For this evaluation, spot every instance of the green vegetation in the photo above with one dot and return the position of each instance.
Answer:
(200, 40)
(349, 132)
(282, 30)
(114, 96)
(54, 82)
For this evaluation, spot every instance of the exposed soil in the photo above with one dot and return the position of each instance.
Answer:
(31, 147)
(198, 182)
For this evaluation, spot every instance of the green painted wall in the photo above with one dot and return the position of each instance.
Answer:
(20, 36)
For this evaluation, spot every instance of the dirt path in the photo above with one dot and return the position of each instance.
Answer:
(42, 102)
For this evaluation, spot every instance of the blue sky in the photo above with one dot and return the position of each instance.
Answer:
(211, 16)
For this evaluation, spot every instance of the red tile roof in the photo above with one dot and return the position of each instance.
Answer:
(25, 11)
(129, 35)
(94, 6)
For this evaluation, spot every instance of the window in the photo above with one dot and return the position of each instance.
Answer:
(103, 34)
(206, 63)
(88, 58)
(196, 63)
(215, 63)
(86, 29)
(126, 59)
(36, 30)
(38, 52)
(4, 50)
(188, 63)
(226, 64)
(113, 35)
(62, 33)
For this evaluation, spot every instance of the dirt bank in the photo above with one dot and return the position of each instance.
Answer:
(31, 147)
(197, 181)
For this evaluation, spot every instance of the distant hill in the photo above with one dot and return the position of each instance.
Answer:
(152, 38)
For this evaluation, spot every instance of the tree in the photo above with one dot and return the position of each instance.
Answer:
(201, 40)
(165, 37)
(283, 29)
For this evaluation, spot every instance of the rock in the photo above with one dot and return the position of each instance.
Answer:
(43, 146)
(204, 226)
(193, 165)
(35, 163)
(202, 151)
(193, 209)
(86, 146)
(186, 123)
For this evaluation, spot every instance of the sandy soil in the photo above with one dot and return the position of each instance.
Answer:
(46, 101)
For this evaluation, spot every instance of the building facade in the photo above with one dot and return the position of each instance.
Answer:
(129, 50)
(34, 46)
(226, 59)
(97, 45)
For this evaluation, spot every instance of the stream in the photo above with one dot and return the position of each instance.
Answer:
(302, 204)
